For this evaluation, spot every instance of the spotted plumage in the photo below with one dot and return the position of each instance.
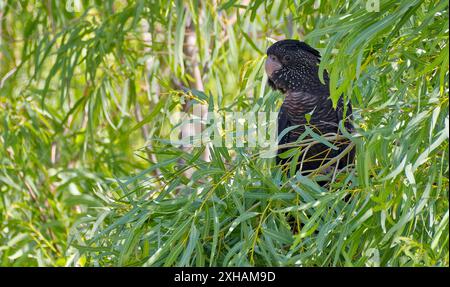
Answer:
(292, 67)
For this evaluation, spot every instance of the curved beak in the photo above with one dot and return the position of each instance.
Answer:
(272, 65)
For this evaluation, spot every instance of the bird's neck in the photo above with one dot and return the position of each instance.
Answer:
(311, 86)
(309, 82)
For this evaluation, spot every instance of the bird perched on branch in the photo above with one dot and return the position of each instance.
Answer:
(292, 67)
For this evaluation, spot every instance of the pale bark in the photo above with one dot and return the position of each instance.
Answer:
(193, 68)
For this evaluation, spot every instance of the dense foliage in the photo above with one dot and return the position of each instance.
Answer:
(87, 177)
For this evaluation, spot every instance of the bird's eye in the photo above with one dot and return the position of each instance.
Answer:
(287, 58)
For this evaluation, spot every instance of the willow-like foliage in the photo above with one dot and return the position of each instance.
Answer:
(88, 177)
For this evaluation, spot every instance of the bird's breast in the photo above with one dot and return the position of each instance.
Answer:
(298, 105)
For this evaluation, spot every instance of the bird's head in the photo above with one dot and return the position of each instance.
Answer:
(291, 64)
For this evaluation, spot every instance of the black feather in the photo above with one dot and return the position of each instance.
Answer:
(290, 44)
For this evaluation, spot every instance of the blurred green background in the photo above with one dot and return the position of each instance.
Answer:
(86, 92)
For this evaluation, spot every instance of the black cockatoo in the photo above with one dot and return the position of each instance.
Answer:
(292, 67)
